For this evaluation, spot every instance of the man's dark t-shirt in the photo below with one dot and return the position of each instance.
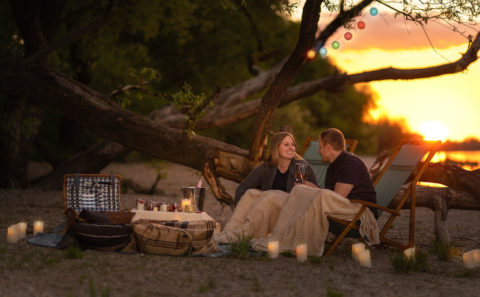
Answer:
(348, 168)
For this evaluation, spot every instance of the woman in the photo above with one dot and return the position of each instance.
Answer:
(278, 171)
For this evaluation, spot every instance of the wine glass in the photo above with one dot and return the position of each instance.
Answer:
(299, 172)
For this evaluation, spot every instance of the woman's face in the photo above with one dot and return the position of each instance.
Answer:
(286, 150)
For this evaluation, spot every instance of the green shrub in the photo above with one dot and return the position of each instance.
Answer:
(288, 254)
(314, 260)
(444, 251)
(333, 293)
(240, 248)
(73, 252)
(404, 265)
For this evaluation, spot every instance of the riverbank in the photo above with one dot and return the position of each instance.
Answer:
(27, 270)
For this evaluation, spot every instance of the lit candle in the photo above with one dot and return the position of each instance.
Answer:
(301, 252)
(356, 248)
(409, 253)
(12, 234)
(364, 258)
(37, 227)
(164, 207)
(476, 256)
(469, 260)
(273, 249)
(185, 202)
(22, 230)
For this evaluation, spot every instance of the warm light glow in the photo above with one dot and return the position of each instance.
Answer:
(433, 130)
(311, 54)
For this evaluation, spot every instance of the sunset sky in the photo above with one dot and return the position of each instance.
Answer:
(452, 100)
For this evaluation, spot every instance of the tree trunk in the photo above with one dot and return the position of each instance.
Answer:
(454, 177)
(112, 121)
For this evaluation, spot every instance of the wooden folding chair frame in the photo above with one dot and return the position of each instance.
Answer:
(410, 192)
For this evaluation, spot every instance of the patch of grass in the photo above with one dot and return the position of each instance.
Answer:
(93, 292)
(404, 265)
(257, 287)
(51, 261)
(444, 251)
(333, 293)
(73, 252)
(240, 248)
(105, 292)
(288, 254)
(464, 273)
(314, 260)
(210, 285)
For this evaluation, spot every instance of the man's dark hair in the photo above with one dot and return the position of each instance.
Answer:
(334, 137)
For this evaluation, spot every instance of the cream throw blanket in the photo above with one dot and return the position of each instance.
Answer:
(293, 218)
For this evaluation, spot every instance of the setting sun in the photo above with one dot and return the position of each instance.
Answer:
(433, 130)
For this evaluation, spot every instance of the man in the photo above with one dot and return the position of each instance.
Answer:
(347, 174)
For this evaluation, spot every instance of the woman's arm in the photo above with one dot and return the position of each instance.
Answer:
(252, 181)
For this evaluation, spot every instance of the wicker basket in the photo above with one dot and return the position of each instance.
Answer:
(94, 192)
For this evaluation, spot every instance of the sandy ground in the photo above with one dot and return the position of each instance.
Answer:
(27, 270)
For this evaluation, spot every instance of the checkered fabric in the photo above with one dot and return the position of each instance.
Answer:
(175, 238)
(94, 192)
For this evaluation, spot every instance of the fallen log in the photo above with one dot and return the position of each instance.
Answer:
(440, 200)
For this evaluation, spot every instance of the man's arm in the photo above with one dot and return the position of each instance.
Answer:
(343, 189)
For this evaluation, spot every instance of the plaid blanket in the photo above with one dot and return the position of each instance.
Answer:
(175, 238)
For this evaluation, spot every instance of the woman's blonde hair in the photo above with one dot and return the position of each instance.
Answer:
(275, 142)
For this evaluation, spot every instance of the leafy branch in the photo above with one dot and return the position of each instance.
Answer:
(191, 105)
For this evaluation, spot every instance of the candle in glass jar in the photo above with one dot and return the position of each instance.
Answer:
(409, 253)
(37, 227)
(301, 252)
(364, 258)
(185, 202)
(469, 260)
(12, 234)
(356, 248)
(22, 230)
(273, 249)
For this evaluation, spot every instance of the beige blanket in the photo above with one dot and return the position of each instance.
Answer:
(293, 218)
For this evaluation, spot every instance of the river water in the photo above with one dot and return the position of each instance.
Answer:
(469, 160)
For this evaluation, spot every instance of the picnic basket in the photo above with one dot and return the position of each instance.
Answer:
(93, 192)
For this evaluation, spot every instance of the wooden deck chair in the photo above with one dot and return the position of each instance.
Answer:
(405, 161)
(311, 155)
